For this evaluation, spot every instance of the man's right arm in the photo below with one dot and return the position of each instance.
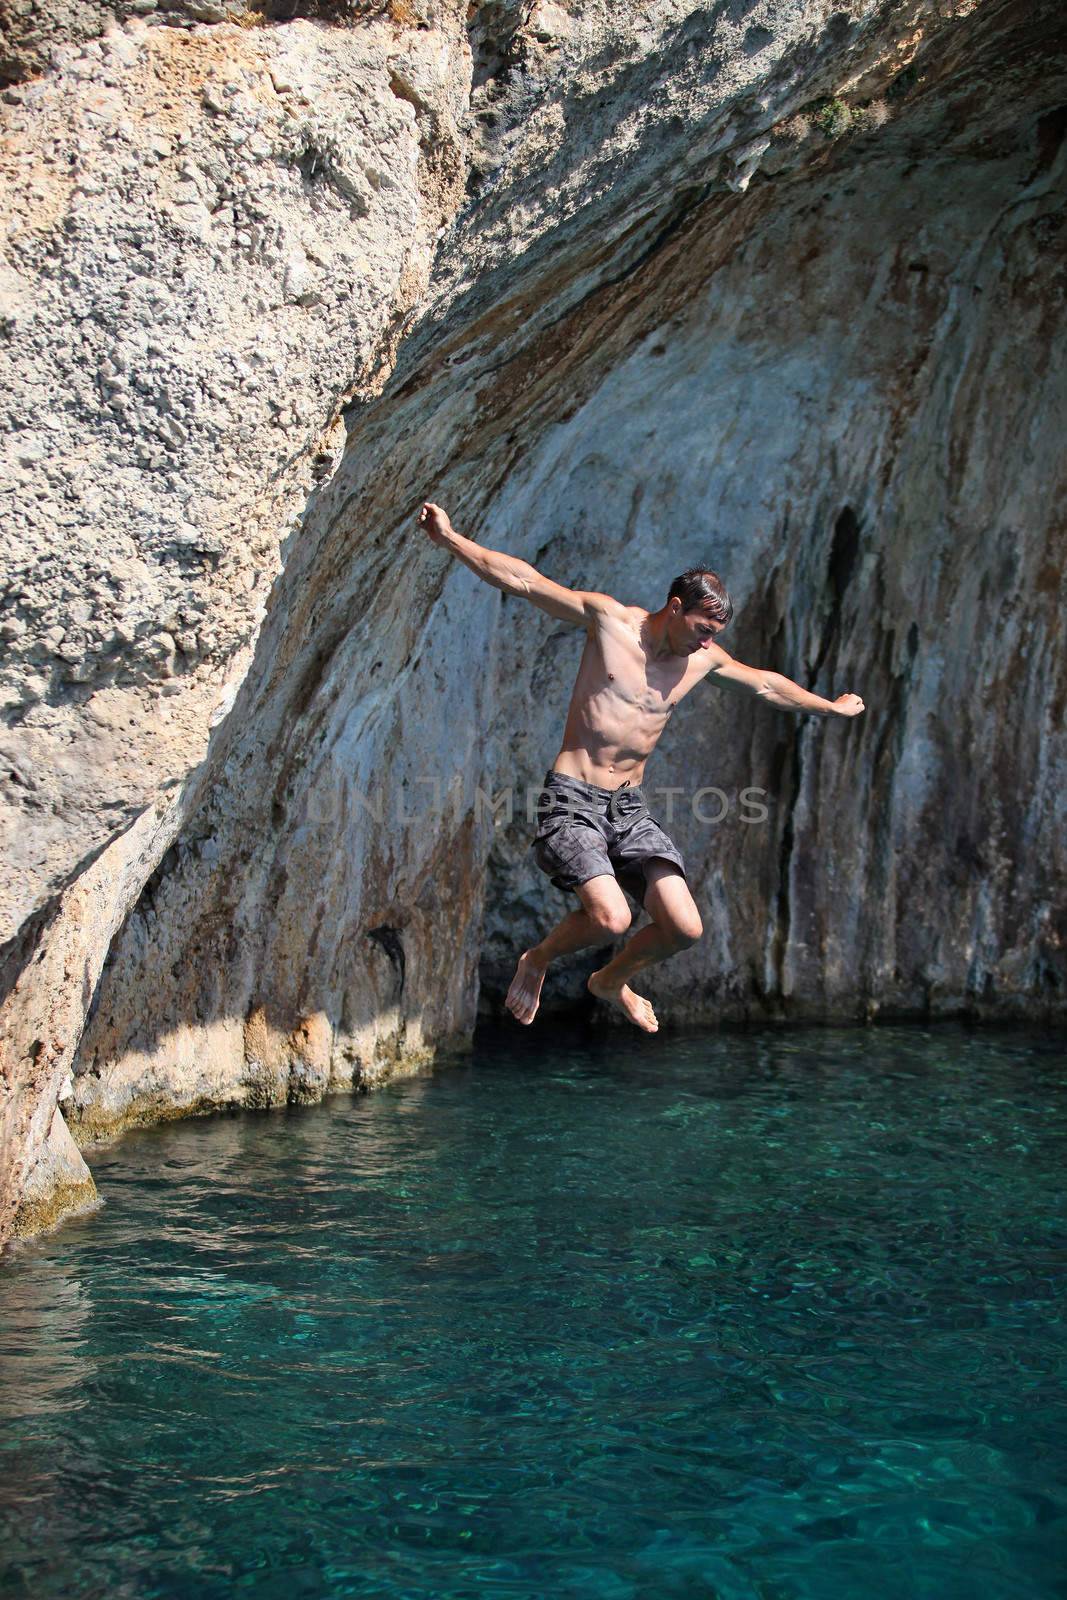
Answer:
(577, 606)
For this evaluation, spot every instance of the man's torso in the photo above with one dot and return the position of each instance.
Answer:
(622, 700)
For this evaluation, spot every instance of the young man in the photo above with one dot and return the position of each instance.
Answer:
(595, 834)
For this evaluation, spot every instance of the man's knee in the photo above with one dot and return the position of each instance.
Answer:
(685, 928)
(612, 918)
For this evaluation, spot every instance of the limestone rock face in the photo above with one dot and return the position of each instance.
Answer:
(59, 1184)
(626, 288)
(212, 236)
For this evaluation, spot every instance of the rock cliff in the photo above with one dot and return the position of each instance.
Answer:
(770, 285)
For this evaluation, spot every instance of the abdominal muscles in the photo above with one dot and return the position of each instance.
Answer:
(616, 716)
(611, 733)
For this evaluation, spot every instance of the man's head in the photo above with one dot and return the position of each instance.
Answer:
(698, 607)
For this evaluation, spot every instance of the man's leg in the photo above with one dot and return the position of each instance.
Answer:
(604, 914)
(675, 926)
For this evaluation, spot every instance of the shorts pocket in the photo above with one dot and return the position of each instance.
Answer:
(569, 849)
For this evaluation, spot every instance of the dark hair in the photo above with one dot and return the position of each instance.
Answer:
(701, 590)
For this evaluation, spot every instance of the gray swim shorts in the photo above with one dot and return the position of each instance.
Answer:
(583, 831)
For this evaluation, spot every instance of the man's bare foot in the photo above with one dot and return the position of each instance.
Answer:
(635, 1006)
(524, 996)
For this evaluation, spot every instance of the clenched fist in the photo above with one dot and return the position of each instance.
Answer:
(436, 523)
(848, 705)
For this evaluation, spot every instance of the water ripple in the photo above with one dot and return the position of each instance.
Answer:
(774, 1317)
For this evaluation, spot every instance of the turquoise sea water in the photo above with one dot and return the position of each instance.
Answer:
(749, 1315)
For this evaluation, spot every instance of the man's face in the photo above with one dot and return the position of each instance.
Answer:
(696, 630)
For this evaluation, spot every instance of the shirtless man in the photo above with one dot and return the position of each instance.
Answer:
(595, 834)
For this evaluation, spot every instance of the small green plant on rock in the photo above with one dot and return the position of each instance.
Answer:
(832, 117)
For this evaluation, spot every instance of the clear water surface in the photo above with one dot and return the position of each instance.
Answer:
(762, 1315)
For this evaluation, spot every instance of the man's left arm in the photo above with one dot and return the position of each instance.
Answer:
(778, 690)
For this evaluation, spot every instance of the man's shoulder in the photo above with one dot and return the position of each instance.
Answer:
(606, 608)
(622, 611)
(704, 662)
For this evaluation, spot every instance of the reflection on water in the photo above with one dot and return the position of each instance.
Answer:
(775, 1315)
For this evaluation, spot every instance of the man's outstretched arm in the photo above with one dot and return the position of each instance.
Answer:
(577, 606)
(778, 690)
